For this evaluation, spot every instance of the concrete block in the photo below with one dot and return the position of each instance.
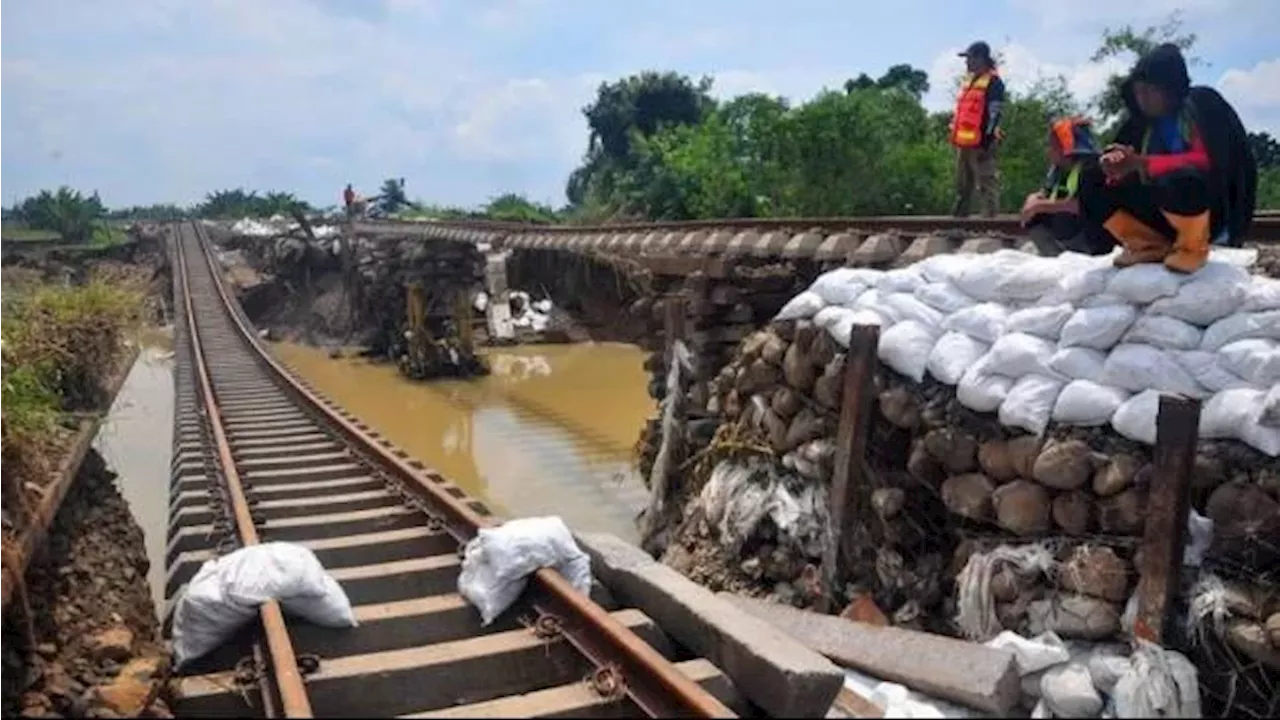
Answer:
(967, 673)
(880, 249)
(774, 672)
(923, 247)
(981, 245)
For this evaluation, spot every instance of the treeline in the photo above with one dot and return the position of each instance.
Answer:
(661, 148)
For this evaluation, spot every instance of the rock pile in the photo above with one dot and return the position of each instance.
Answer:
(97, 650)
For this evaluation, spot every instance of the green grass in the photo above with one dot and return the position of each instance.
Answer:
(21, 234)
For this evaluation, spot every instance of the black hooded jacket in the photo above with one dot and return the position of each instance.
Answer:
(1233, 178)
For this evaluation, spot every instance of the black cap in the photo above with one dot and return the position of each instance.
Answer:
(979, 50)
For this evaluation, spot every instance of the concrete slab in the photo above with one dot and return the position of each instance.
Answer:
(967, 673)
(773, 671)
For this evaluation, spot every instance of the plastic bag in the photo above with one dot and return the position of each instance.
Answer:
(1242, 326)
(1069, 692)
(1099, 328)
(943, 297)
(1227, 412)
(1260, 295)
(1216, 291)
(1017, 354)
(953, 354)
(1199, 538)
(1257, 361)
(984, 321)
(1029, 404)
(1164, 332)
(843, 328)
(805, 305)
(1136, 418)
(1142, 367)
(226, 592)
(1041, 321)
(910, 308)
(1087, 403)
(941, 268)
(873, 300)
(1078, 363)
(901, 280)
(497, 562)
(1207, 370)
(982, 391)
(1159, 684)
(1145, 283)
(827, 317)
(1077, 286)
(1271, 407)
(1032, 654)
(1009, 275)
(838, 287)
(906, 346)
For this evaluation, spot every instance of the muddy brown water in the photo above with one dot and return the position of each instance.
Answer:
(550, 432)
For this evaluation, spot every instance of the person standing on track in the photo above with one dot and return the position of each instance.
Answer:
(1181, 173)
(975, 132)
(349, 200)
(1067, 213)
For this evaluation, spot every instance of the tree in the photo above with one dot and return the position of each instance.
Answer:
(907, 78)
(391, 196)
(65, 211)
(1265, 149)
(1125, 42)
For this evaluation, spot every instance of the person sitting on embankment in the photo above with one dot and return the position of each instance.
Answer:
(1063, 215)
(1180, 173)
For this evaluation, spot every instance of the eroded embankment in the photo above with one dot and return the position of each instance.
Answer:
(95, 648)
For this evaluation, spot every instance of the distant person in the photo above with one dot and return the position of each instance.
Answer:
(975, 132)
(349, 200)
(1181, 173)
(1067, 213)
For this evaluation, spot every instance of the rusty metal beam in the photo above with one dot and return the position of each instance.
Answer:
(1177, 427)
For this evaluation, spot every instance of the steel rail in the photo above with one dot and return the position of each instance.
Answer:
(284, 662)
(652, 682)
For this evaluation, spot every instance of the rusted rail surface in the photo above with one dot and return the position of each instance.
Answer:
(260, 455)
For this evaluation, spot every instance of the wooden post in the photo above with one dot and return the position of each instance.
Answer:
(857, 399)
(1177, 425)
(674, 323)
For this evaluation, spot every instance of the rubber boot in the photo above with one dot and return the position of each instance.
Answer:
(1191, 249)
(1141, 243)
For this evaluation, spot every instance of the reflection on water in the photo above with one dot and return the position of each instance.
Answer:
(136, 440)
(549, 432)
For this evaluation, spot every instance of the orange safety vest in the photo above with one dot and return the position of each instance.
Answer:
(966, 125)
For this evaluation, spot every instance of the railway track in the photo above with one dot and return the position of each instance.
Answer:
(260, 456)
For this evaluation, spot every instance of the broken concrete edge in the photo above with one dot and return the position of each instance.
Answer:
(946, 668)
(771, 670)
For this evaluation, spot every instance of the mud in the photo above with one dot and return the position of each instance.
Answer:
(95, 648)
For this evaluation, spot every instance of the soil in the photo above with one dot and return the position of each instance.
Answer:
(96, 649)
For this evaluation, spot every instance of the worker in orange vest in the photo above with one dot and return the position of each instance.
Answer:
(975, 131)
(349, 199)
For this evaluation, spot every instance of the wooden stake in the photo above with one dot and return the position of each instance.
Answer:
(1177, 425)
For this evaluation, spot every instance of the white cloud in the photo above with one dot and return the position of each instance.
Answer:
(1255, 94)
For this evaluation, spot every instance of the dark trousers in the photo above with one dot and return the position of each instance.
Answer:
(1183, 192)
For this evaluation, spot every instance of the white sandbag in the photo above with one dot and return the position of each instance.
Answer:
(805, 305)
(1214, 292)
(901, 280)
(1199, 539)
(1041, 321)
(1255, 360)
(1029, 404)
(941, 268)
(1159, 684)
(1136, 418)
(226, 592)
(1164, 332)
(1009, 275)
(1031, 654)
(1017, 354)
(952, 355)
(984, 321)
(873, 300)
(982, 391)
(1271, 407)
(1079, 285)
(944, 297)
(1242, 326)
(910, 308)
(1069, 692)
(1099, 328)
(1227, 412)
(1265, 438)
(1106, 667)
(1145, 283)
(906, 347)
(1103, 300)
(1143, 367)
(1087, 403)
(1240, 257)
(1207, 369)
(497, 562)
(1078, 363)
(838, 287)
(843, 329)
(1260, 295)
(827, 317)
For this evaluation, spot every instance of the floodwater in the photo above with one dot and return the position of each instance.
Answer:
(549, 432)
(137, 443)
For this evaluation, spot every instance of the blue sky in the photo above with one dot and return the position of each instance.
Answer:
(163, 100)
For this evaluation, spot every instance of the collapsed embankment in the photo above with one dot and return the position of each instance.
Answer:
(1008, 468)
